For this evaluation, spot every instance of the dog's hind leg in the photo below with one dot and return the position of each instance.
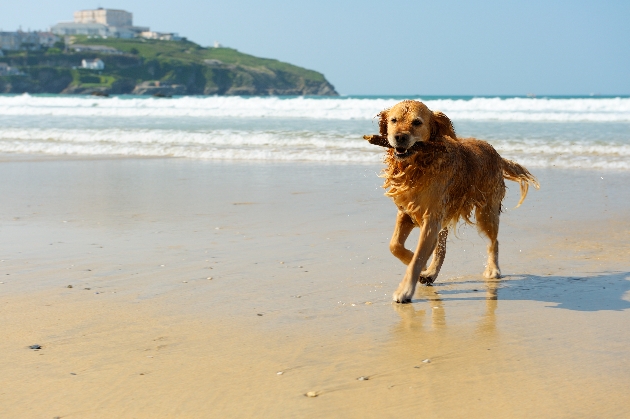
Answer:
(430, 275)
(404, 225)
(488, 223)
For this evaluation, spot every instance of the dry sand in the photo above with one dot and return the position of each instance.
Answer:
(299, 299)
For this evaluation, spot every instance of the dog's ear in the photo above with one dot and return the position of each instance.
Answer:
(442, 126)
(382, 122)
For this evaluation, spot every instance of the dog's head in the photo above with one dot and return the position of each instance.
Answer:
(410, 123)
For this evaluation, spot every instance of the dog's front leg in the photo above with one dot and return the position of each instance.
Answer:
(429, 276)
(426, 244)
(404, 225)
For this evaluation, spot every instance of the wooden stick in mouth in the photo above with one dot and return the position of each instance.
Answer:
(377, 140)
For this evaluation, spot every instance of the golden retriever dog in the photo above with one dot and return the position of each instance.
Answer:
(436, 179)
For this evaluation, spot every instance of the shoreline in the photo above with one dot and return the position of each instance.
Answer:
(43, 157)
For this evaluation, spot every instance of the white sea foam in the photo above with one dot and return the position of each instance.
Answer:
(503, 109)
(567, 154)
(218, 144)
(326, 146)
(274, 128)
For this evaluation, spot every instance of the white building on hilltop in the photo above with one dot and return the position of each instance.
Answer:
(109, 17)
(100, 22)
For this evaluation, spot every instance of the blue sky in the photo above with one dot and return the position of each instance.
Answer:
(399, 47)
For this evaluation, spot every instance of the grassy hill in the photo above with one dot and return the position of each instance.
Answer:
(158, 67)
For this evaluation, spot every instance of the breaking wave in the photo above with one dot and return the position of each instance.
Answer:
(290, 145)
(501, 109)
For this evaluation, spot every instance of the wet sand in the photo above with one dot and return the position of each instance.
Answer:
(301, 283)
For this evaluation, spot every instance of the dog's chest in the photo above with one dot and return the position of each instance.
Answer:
(413, 203)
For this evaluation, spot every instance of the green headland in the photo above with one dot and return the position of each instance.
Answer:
(153, 67)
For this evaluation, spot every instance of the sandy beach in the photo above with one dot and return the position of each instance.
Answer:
(176, 288)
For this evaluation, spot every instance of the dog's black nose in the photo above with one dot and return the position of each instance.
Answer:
(401, 137)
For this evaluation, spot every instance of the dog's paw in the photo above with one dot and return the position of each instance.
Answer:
(404, 292)
(492, 272)
(427, 277)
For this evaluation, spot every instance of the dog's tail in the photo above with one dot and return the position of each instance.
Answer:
(517, 173)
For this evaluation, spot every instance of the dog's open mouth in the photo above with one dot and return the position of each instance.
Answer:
(401, 153)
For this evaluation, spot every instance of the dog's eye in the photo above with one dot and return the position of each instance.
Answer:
(394, 120)
(416, 122)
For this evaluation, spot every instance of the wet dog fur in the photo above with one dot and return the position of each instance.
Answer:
(436, 179)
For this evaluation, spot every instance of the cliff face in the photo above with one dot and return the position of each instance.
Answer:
(225, 79)
(160, 68)
(37, 80)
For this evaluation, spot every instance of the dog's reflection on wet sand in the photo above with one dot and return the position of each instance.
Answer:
(413, 318)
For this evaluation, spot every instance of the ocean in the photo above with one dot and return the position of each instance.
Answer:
(563, 132)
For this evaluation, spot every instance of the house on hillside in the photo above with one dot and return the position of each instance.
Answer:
(14, 41)
(102, 49)
(89, 29)
(19, 40)
(96, 64)
(162, 36)
(10, 41)
(47, 39)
